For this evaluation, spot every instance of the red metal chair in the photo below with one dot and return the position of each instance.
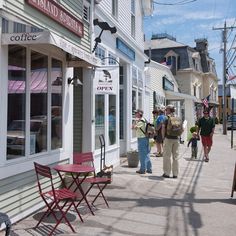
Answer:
(55, 199)
(100, 182)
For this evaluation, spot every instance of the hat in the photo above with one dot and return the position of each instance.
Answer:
(139, 111)
(171, 107)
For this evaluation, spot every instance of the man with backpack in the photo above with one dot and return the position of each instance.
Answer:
(143, 143)
(172, 128)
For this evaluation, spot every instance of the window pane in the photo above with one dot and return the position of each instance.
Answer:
(56, 107)
(112, 119)
(140, 104)
(134, 100)
(16, 101)
(38, 102)
(99, 119)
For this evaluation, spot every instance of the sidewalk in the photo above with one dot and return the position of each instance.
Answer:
(198, 203)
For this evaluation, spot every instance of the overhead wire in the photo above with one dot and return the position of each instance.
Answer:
(176, 3)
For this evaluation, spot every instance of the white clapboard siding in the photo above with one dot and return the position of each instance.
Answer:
(19, 193)
(21, 9)
(123, 22)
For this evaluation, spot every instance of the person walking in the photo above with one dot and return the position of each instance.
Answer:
(158, 128)
(143, 143)
(193, 142)
(206, 128)
(172, 128)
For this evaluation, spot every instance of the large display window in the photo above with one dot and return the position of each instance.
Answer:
(34, 103)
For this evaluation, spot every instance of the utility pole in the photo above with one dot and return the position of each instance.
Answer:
(224, 39)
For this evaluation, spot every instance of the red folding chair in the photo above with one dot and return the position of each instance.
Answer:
(55, 199)
(100, 182)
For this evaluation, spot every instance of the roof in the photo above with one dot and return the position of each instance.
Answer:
(162, 43)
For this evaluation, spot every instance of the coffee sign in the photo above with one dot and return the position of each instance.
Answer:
(59, 14)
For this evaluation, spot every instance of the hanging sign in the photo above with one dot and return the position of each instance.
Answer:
(106, 80)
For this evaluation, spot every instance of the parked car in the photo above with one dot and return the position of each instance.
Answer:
(231, 122)
(16, 135)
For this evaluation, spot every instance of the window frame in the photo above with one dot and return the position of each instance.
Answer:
(50, 55)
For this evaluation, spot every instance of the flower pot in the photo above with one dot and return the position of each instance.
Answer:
(133, 159)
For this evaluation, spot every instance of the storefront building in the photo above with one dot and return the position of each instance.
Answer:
(125, 51)
(162, 84)
(41, 44)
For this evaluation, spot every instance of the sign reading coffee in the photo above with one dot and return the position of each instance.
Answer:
(59, 14)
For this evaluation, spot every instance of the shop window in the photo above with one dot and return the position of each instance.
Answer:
(99, 118)
(140, 80)
(121, 113)
(122, 110)
(134, 107)
(16, 126)
(38, 95)
(56, 104)
(112, 119)
(134, 76)
(28, 119)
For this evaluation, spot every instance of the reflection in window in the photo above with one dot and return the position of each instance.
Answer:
(99, 119)
(16, 101)
(38, 95)
(56, 107)
(112, 119)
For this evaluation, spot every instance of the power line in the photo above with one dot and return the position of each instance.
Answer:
(176, 3)
(224, 32)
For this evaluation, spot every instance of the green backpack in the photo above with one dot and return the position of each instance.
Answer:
(174, 126)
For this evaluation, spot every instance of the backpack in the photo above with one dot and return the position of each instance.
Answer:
(174, 126)
(149, 129)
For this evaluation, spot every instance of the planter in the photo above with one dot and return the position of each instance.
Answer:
(133, 159)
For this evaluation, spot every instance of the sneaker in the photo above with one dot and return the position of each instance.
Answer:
(165, 176)
(159, 154)
(149, 171)
(175, 176)
(140, 172)
(206, 159)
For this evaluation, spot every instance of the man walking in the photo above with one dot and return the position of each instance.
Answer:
(172, 128)
(206, 127)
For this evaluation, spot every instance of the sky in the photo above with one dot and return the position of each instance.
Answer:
(196, 20)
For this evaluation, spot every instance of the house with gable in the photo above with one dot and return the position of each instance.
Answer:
(192, 68)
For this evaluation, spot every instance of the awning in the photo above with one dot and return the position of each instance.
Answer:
(171, 95)
(47, 37)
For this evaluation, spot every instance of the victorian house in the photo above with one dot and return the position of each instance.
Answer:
(192, 67)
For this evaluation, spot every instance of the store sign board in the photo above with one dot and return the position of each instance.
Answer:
(59, 14)
(106, 80)
(47, 37)
(125, 49)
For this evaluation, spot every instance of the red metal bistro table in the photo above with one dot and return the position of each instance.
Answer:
(76, 171)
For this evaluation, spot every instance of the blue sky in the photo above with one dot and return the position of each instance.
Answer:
(196, 20)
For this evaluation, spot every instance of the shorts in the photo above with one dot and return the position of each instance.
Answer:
(206, 141)
(158, 138)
